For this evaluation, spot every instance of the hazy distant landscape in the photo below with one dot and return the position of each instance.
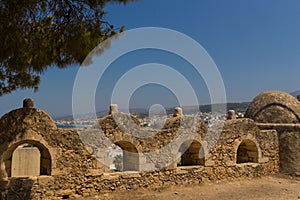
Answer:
(143, 112)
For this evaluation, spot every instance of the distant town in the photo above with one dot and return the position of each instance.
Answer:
(203, 112)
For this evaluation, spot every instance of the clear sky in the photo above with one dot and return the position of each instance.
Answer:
(255, 45)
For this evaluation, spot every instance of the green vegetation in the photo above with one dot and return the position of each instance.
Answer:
(118, 161)
(36, 35)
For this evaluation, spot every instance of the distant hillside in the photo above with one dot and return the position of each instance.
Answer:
(142, 112)
(239, 107)
(295, 93)
(103, 113)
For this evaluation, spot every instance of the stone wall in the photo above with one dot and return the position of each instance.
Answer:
(48, 188)
(184, 151)
(234, 133)
(289, 145)
(280, 111)
(74, 164)
(63, 156)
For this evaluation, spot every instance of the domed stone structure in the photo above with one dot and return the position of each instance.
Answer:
(25, 122)
(30, 127)
(280, 111)
(31, 145)
(274, 107)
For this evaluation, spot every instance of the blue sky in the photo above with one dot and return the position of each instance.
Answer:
(255, 45)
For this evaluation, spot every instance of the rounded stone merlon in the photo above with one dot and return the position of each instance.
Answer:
(28, 103)
(113, 108)
(231, 115)
(177, 112)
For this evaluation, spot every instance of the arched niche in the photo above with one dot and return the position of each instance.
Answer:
(192, 153)
(247, 152)
(130, 156)
(45, 160)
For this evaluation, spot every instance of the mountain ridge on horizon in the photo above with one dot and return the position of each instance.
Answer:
(143, 112)
(295, 93)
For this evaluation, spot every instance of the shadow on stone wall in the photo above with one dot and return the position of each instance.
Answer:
(17, 189)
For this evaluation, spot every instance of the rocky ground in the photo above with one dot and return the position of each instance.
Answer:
(277, 187)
